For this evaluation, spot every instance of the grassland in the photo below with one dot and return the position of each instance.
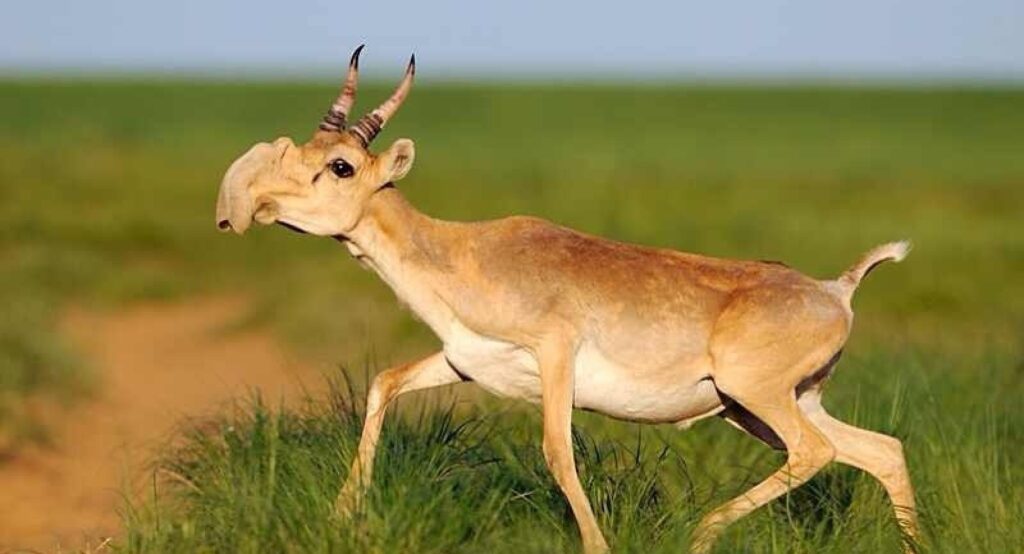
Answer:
(107, 190)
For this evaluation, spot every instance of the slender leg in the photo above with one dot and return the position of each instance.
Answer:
(556, 375)
(808, 450)
(764, 343)
(432, 371)
(879, 455)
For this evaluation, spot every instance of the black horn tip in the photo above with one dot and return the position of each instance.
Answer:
(412, 64)
(354, 61)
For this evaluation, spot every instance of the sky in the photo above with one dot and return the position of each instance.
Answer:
(908, 39)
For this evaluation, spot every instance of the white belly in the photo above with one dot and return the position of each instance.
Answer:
(601, 385)
(666, 395)
(500, 367)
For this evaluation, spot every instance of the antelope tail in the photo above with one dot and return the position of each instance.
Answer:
(850, 279)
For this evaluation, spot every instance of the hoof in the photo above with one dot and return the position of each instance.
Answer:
(348, 504)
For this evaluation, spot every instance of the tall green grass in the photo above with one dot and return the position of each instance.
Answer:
(107, 192)
(264, 481)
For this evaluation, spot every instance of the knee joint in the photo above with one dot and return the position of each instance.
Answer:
(894, 463)
(380, 394)
(818, 455)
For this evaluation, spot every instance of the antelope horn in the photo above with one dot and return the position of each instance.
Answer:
(336, 118)
(369, 125)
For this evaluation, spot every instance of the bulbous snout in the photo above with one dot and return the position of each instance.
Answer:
(235, 207)
(233, 213)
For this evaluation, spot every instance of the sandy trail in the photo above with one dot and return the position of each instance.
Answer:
(157, 363)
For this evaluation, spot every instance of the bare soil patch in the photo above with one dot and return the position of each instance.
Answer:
(158, 363)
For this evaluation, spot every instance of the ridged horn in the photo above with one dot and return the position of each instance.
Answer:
(336, 118)
(368, 126)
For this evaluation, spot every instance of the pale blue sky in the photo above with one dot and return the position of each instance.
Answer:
(637, 38)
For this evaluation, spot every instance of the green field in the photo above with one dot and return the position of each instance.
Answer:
(107, 192)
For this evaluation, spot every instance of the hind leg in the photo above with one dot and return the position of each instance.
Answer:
(808, 450)
(765, 342)
(879, 455)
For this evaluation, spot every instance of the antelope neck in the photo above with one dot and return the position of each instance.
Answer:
(410, 251)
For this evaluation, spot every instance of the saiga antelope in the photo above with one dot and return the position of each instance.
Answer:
(528, 309)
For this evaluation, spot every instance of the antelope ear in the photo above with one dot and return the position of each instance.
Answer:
(397, 160)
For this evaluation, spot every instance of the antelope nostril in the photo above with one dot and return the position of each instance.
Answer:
(224, 225)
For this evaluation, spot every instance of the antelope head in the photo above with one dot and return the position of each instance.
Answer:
(320, 187)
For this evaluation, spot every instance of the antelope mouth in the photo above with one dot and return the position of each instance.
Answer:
(291, 227)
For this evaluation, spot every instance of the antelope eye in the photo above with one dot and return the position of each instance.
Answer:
(341, 168)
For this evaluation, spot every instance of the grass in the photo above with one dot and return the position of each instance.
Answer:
(107, 191)
(260, 481)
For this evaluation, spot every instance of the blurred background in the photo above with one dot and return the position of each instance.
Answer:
(788, 130)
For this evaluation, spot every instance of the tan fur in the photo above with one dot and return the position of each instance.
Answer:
(537, 311)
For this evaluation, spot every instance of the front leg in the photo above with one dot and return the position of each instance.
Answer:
(432, 371)
(557, 389)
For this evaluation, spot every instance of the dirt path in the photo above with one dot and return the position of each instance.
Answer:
(157, 363)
